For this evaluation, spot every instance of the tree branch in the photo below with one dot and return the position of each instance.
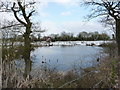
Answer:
(110, 6)
(30, 14)
(9, 26)
(24, 13)
(15, 14)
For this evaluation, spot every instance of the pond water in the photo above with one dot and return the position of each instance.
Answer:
(65, 57)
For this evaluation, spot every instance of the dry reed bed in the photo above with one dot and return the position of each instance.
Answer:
(102, 76)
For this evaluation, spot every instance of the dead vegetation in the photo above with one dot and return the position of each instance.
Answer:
(102, 76)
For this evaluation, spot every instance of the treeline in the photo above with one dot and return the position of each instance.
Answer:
(64, 36)
(82, 36)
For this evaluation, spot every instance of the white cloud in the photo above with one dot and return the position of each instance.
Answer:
(63, 1)
(68, 3)
(57, 1)
(43, 14)
(78, 26)
(73, 27)
(66, 13)
(47, 1)
(51, 27)
(39, 9)
(7, 16)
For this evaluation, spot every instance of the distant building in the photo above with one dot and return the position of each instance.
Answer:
(48, 39)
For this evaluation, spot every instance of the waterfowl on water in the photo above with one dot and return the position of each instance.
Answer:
(98, 59)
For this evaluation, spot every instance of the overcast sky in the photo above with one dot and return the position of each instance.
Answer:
(57, 16)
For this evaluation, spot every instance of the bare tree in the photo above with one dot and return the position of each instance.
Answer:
(109, 9)
(27, 23)
(109, 23)
(19, 9)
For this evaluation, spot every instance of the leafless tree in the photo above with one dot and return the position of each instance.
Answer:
(109, 23)
(20, 9)
(108, 9)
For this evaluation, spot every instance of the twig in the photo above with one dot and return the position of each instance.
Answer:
(97, 84)
(73, 80)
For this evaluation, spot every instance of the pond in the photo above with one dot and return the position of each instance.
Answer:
(28, 59)
(66, 57)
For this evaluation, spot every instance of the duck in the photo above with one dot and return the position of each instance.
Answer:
(98, 59)
(43, 62)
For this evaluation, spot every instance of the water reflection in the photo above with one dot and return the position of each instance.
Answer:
(26, 56)
(66, 57)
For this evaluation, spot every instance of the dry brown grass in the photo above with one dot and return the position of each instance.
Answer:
(102, 76)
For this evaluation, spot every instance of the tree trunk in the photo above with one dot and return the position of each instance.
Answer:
(118, 46)
(27, 47)
(27, 50)
(118, 35)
